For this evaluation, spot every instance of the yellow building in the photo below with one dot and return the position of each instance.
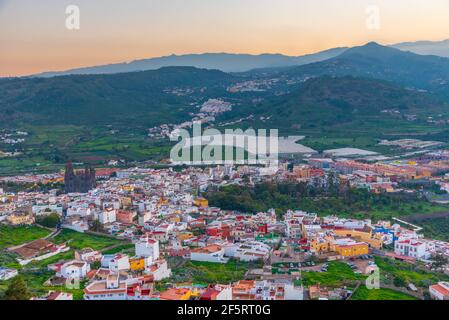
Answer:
(321, 245)
(162, 201)
(185, 235)
(351, 250)
(16, 219)
(137, 264)
(374, 241)
(128, 188)
(201, 202)
(175, 219)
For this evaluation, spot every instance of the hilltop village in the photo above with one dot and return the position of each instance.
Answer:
(145, 233)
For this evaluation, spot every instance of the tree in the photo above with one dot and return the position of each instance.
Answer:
(95, 265)
(17, 290)
(399, 282)
(50, 221)
(96, 226)
(439, 262)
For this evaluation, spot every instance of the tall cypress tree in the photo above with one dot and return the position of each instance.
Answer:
(17, 290)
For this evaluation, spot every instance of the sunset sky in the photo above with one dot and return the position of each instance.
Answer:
(33, 36)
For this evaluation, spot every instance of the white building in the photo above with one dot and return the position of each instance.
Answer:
(110, 289)
(108, 215)
(273, 290)
(414, 248)
(77, 225)
(43, 209)
(79, 210)
(248, 251)
(159, 270)
(146, 247)
(217, 292)
(115, 262)
(212, 253)
(55, 295)
(88, 254)
(440, 291)
(74, 269)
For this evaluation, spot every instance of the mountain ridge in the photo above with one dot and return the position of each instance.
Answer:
(226, 62)
(373, 60)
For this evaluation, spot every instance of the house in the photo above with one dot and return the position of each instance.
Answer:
(82, 210)
(160, 236)
(115, 262)
(126, 217)
(44, 209)
(277, 290)
(140, 291)
(414, 248)
(108, 215)
(159, 270)
(38, 250)
(138, 263)
(78, 225)
(146, 247)
(365, 235)
(248, 251)
(88, 254)
(74, 269)
(439, 291)
(350, 248)
(19, 218)
(55, 295)
(110, 289)
(316, 292)
(243, 290)
(217, 292)
(211, 253)
(178, 294)
(100, 274)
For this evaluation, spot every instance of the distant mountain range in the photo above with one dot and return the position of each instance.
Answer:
(352, 83)
(379, 62)
(227, 62)
(437, 48)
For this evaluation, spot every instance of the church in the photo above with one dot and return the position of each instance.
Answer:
(78, 182)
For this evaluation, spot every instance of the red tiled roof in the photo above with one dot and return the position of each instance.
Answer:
(440, 289)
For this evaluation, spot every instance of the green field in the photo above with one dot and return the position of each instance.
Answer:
(363, 293)
(206, 272)
(36, 272)
(409, 273)
(35, 280)
(123, 248)
(437, 228)
(47, 148)
(13, 236)
(338, 274)
(79, 240)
